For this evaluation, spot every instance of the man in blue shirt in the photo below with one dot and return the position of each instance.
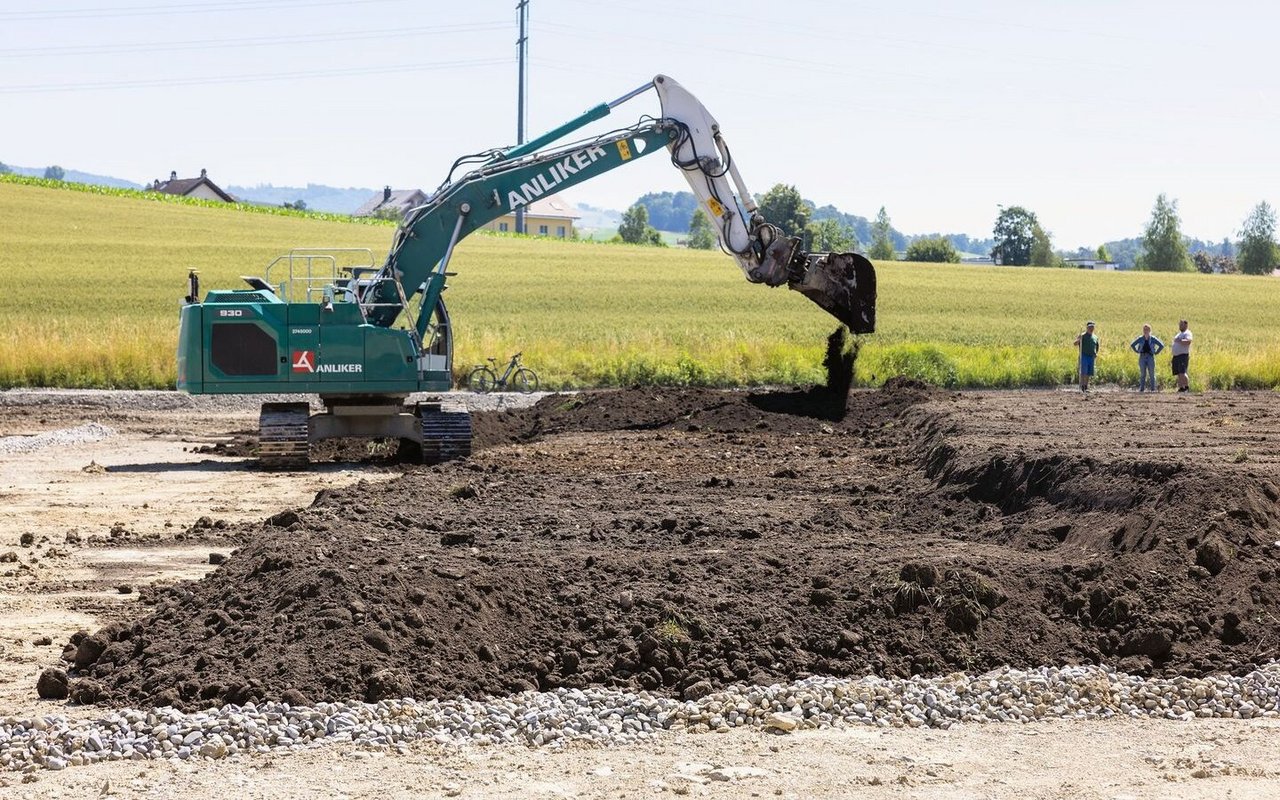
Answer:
(1147, 347)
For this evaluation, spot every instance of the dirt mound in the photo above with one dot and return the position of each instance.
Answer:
(1169, 563)
(682, 540)
(795, 412)
(802, 411)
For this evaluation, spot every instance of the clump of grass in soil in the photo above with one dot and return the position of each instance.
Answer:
(671, 631)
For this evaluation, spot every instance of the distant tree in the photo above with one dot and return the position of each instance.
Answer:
(1125, 252)
(783, 206)
(634, 222)
(1258, 252)
(1162, 246)
(1102, 254)
(1210, 264)
(1014, 235)
(702, 236)
(635, 227)
(5, 169)
(882, 237)
(301, 205)
(831, 236)
(861, 226)
(966, 244)
(1206, 263)
(386, 212)
(669, 211)
(934, 248)
(1226, 248)
(1042, 254)
(55, 173)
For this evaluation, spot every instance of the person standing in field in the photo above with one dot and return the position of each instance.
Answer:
(1088, 344)
(1147, 347)
(1182, 356)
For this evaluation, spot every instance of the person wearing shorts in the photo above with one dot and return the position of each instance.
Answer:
(1088, 344)
(1182, 356)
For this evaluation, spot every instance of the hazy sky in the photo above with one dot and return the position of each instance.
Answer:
(940, 111)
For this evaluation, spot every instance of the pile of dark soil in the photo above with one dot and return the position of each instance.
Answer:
(682, 540)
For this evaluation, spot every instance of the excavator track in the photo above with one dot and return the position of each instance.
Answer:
(284, 435)
(446, 431)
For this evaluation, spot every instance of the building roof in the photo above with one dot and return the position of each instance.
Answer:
(399, 199)
(551, 206)
(185, 186)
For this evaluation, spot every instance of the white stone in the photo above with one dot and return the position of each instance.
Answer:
(781, 721)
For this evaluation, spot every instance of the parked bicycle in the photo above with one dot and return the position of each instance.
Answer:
(516, 377)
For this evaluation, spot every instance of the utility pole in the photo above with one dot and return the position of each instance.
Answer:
(522, 50)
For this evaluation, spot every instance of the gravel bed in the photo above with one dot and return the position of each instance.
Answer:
(610, 717)
(143, 400)
(81, 434)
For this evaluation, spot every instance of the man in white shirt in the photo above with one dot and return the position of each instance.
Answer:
(1182, 355)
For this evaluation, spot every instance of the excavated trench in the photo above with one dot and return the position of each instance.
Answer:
(682, 540)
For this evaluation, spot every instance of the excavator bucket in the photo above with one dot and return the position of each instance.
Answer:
(843, 284)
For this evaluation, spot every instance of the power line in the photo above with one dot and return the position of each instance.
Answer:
(249, 41)
(171, 9)
(254, 78)
(890, 42)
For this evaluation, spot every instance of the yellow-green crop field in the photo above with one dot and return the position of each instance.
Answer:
(90, 286)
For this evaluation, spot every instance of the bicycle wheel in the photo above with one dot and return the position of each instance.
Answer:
(525, 381)
(481, 380)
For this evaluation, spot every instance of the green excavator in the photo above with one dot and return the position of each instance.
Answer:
(365, 338)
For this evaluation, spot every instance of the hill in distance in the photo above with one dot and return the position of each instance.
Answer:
(318, 197)
(668, 212)
(76, 176)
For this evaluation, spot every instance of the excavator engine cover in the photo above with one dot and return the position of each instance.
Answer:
(843, 284)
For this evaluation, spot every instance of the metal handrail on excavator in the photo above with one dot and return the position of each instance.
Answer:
(312, 283)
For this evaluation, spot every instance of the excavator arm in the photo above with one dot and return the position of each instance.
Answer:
(305, 335)
(506, 180)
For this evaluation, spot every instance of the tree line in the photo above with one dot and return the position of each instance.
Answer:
(53, 173)
(1022, 241)
(1018, 237)
(821, 227)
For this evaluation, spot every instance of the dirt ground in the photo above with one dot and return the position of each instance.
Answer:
(670, 540)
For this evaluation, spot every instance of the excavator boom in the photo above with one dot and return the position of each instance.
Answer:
(323, 322)
(843, 284)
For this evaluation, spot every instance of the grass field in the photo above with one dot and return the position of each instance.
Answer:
(605, 234)
(90, 287)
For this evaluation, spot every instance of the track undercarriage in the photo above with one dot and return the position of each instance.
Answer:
(430, 432)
